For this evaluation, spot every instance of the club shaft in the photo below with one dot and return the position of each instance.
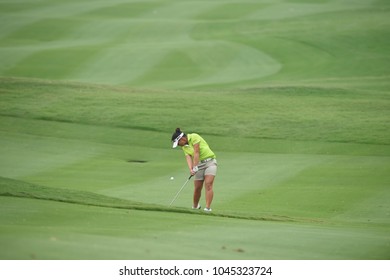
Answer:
(173, 200)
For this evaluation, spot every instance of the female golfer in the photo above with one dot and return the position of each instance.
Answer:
(201, 162)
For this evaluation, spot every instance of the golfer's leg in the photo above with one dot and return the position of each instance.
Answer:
(198, 185)
(208, 183)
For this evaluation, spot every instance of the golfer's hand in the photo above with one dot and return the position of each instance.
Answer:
(194, 170)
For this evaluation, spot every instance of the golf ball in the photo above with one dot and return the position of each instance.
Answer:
(172, 178)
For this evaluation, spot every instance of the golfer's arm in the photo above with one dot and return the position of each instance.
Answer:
(189, 162)
(196, 154)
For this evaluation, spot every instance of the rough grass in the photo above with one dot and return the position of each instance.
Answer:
(288, 113)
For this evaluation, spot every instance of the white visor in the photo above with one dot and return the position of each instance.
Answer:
(176, 141)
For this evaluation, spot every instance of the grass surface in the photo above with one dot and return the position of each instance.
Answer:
(293, 96)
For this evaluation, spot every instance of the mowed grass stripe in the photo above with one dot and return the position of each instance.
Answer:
(141, 43)
(123, 31)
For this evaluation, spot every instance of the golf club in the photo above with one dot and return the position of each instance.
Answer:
(180, 190)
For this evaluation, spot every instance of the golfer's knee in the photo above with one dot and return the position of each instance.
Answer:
(209, 186)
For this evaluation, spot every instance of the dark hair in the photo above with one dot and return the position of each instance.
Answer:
(177, 133)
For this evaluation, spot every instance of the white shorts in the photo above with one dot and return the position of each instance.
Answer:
(207, 168)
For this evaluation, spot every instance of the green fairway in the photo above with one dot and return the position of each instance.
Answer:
(293, 96)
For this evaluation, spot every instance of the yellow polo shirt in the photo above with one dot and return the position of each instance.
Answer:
(204, 149)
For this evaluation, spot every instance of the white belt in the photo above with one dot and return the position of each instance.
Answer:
(206, 160)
